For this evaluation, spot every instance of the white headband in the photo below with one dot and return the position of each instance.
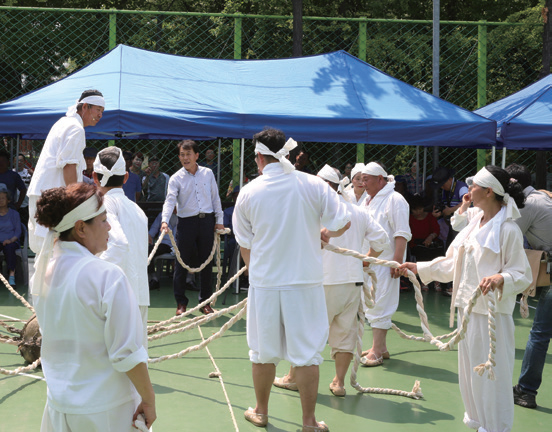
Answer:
(91, 100)
(119, 168)
(280, 154)
(375, 169)
(485, 179)
(330, 174)
(85, 211)
(357, 169)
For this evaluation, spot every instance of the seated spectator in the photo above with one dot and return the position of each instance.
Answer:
(164, 248)
(10, 232)
(89, 154)
(12, 181)
(155, 183)
(133, 185)
(25, 172)
(425, 244)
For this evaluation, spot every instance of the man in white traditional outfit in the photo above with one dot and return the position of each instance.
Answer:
(128, 238)
(277, 225)
(61, 160)
(391, 210)
(343, 282)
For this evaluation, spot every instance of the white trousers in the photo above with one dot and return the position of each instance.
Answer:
(287, 324)
(489, 404)
(343, 301)
(118, 419)
(37, 233)
(386, 301)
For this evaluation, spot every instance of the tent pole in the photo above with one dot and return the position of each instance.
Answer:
(218, 161)
(242, 150)
(436, 58)
(417, 169)
(493, 156)
(504, 157)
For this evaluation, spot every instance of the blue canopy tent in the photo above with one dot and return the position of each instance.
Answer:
(325, 98)
(524, 119)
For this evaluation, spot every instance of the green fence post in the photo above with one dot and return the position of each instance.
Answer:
(481, 81)
(362, 30)
(112, 44)
(236, 143)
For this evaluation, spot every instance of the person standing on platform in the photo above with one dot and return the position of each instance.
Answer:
(391, 211)
(128, 238)
(61, 161)
(193, 189)
(277, 223)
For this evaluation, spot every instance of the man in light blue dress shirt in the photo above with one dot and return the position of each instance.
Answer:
(194, 191)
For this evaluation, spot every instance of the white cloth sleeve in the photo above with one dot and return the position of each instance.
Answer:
(241, 224)
(118, 250)
(215, 200)
(170, 199)
(334, 213)
(70, 151)
(441, 269)
(399, 215)
(375, 234)
(123, 331)
(516, 270)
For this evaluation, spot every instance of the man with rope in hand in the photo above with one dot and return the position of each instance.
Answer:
(277, 225)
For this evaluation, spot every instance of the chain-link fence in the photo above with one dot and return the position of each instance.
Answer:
(480, 62)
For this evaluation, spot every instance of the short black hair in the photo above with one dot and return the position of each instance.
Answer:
(188, 145)
(87, 93)
(520, 173)
(274, 139)
(108, 157)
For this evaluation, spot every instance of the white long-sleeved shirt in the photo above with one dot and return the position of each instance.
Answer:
(497, 247)
(278, 216)
(392, 212)
(193, 194)
(128, 241)
(91, 332)
(64, 145)
(340, 269)
(352, 197)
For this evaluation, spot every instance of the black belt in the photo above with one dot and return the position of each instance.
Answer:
(204, 215)
(359, 283)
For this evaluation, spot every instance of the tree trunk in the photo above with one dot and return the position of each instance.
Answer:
(542, 156)
(298, 28)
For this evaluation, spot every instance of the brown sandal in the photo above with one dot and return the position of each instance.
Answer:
(337, 390)
(280, 383)
(260, 420)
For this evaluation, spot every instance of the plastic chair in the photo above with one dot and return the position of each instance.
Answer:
(165, 259)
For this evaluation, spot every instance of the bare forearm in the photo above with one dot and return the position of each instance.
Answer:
(339, 232)
(70, 174)
(246, 255)
(400, 247)
(140, 378)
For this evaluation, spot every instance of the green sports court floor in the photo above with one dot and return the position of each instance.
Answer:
(188, 400)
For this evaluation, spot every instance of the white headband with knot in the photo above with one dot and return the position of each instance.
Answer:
(357, 169)
(485, 179)
(280, 154)
(330, 174)
(85, 211)
(119, 168)
(91, 100)
(375, 169)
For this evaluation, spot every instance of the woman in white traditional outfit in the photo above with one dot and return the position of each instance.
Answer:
(357, 193)
(92, 352)
(488, 253)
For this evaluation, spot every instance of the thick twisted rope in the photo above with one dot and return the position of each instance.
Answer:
(22, 369)
(197, 321)
(490, 363)
(218, 374)
(216, 335)
(199, 306)
(16, 294)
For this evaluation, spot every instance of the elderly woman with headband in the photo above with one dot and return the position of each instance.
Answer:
(61, 160)
(488, 253)
(92, 353)
(357, 193)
